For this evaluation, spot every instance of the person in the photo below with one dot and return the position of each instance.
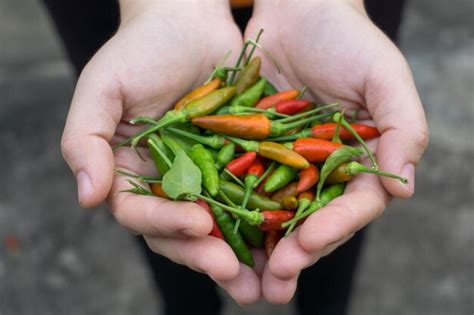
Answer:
(162, 49)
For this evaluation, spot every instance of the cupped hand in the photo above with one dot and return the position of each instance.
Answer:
(161, 50)
(334, 49)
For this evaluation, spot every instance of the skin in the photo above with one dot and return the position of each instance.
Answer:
(333, 48)
(160, 52)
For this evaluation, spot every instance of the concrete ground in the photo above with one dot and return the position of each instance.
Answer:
(419, 257)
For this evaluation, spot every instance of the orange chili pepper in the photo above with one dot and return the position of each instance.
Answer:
(274, 99)
(197, 93)
(282, 154)
(326, 131)
(272, 220)
(288, 190)
(315, 150)
(290, 202)
(254, 126)
(271, 240)
(158, 191)
(308, 178)
(339, 175)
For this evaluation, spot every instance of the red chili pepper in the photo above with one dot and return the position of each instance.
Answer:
(271, 240)
(274, 99)
(256, 168)
(241, 164)
(315, 150)
(292, 106)
(216, 232)
(290, 203)
(308, 178)
(326, 131)
(272, 220)
(288, 190)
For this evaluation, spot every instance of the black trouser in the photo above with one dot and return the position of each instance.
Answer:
(323, 288)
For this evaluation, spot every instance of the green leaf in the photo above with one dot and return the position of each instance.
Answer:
(183, 178)
(342, 155)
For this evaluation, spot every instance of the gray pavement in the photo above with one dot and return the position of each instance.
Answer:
(419, 256)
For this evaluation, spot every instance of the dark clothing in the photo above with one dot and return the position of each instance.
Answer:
(323, 288)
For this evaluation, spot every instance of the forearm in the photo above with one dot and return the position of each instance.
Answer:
(132, 8)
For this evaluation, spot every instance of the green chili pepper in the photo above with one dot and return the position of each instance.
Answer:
(236, 194)
(249, 76)
(251, 96)
(225, 155)
(252, 234)
(205, 162)
(214, 141)
(160, 163)
(269, 89)
(176, 142)
(282, 176)
(236, 242)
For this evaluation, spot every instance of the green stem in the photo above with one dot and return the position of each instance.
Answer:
(243, 109)
(336, 138)
(247, 145)
(314, 206)
(217, 67)
(302, 206)
(235, 178)
(137, 189)
(303, 90)
(161, 153)
(260, 32)
(336, 117)
(143, 120)
(354, 168)
(310, 112)
(278, 128)
(215, 141)
(264, 175)
(145, 179)
(237, 64)
(302, 134)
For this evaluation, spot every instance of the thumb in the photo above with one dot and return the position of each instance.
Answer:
(94, 114)
(393, 101)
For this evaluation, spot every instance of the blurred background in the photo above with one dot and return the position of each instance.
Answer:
(56, 258)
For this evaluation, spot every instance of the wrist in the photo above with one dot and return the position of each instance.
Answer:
(130, 9)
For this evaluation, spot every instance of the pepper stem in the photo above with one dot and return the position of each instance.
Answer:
(260, 32)
(277, 128)
(337, 117)
(265, 174)
(302, 134)
(244, 109)
(354, 168)
(247, 145)
(137, 189)
(302, 91)
(161, 153)
(302, 206)
(337, 138)
(145, 179)
(313, 207)
(235, 178)
(217, 67)
(310, 112)
(215, 141)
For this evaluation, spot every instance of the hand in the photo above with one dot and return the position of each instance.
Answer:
(333, 48)
(161, 50)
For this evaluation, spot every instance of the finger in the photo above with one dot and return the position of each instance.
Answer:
(95, 111)
(394, 103)
(277, 291)
(150, 215)
(245, 288)
(206, 254)
(363, 201)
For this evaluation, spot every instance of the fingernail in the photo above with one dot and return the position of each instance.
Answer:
(84, 186)
(408, 171)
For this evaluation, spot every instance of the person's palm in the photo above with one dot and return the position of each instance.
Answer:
(155, 58)
(334, 49)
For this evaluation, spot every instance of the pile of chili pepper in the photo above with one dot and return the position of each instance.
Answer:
(258, 160)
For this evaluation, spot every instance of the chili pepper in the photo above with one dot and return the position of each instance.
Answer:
(155, 145)
(198, 107)
(205, 162)
(236, 242)
(282, 176)
(176, 142)
(315, 150)
(225, 155)
(251, 234)
(272, 100)
(327, 195)
(273, 151)
(291, 107)
(241, 164)
(290, 203)
(339, 175)
(308, 178)
(304, 201)
(272, 220)
(271, 240)
(326, 132)
(249, 97)
(269, 89)
(248, 76)
(250, 182)
(236, 194)
(158, 191)
(197, 93)
(252, 126)
(216, 232)
(288, 190)
(214, 141)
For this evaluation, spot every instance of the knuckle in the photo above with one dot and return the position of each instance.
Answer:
(67, 147)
